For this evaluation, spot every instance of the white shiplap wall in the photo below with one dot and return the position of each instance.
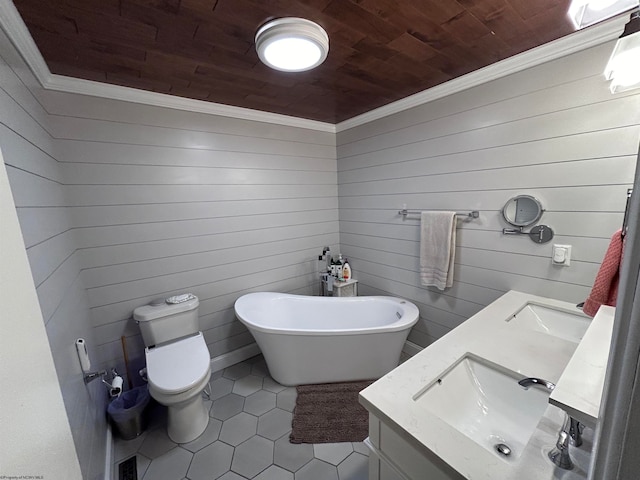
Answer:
(133, 202)
(121, 203)
(165, 201)
(37, 184)
(553, 131)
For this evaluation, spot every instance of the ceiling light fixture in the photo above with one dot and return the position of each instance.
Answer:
(292, 44)
(623, 68)
(587, 12)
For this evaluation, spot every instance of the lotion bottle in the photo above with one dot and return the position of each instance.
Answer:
(346, 271)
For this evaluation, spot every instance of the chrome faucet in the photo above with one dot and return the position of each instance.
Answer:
(571, 433)
(560, 454)
(539, 382)
(575, 431)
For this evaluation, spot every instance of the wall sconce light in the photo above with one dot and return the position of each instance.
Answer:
(292, 44)
(587, 12)
(623, 68)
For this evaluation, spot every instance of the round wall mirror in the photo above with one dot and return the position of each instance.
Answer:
(522, 211)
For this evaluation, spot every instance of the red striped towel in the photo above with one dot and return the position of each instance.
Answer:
(605, 287)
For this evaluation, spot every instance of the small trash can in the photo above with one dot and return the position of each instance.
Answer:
(127, 412)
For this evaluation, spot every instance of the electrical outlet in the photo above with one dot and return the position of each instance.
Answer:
(561, 255)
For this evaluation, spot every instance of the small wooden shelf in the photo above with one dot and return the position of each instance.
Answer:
(348, 288)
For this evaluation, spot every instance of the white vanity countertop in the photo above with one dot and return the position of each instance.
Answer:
(579, 390)
(488, 335)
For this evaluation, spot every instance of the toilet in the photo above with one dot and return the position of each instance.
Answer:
(178, 363)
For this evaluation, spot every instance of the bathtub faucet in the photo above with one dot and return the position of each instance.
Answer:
(327, 256)
(326, 279)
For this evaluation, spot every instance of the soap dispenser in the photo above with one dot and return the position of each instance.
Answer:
(339, 267)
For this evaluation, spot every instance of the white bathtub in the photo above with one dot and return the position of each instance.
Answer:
(308, 340)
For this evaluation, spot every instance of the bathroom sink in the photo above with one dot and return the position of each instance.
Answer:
(556, 322)
(485, 402)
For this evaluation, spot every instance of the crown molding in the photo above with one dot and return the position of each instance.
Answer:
(61, 83)
(577, 41)
(16, 30)
(14, 27)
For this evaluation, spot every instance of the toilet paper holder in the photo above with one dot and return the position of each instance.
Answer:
(91, 376)
(115, 387)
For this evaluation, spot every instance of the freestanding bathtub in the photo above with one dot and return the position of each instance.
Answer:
(308, 340)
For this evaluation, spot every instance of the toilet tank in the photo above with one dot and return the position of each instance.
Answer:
(161, 322)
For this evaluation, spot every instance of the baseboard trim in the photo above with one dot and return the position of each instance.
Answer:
(231, 358)
(108, 454)
(411, 348)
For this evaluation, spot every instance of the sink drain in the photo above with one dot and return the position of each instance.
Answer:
(503, 449)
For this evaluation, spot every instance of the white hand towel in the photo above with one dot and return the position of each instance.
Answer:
(437, 248)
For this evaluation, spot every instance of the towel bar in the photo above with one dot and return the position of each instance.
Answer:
(625, 220)
(472, 214)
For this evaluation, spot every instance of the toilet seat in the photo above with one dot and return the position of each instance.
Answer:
(178, 366)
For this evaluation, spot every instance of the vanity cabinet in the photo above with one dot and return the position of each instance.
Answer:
(394, 458)
(414, 437)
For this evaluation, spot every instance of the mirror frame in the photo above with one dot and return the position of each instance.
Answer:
(522, 224)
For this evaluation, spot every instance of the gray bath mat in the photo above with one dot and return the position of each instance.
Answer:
(330, 413)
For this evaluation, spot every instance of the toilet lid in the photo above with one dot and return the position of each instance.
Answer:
(178, 366)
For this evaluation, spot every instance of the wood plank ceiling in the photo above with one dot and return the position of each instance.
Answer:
(380, 50)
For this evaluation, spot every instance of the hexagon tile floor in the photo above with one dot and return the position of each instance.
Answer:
(247, 438)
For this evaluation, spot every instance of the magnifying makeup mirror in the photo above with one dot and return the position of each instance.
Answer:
(523, 211)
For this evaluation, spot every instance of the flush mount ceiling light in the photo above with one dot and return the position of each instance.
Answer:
(292, 44)
(587, 12)
(623, 68)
